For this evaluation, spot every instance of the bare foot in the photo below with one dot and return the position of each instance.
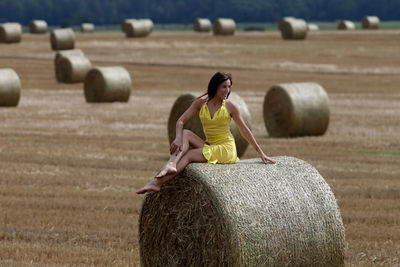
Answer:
(150, 186)
(168, 168)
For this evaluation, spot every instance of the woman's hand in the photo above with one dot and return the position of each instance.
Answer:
(176, 146)
(266, 159)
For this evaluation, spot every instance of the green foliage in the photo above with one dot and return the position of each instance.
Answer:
(72, 12)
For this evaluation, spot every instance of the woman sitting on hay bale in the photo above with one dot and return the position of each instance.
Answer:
(215, 113)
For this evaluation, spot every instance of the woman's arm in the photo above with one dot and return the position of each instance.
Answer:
(245, 131)
(176, 145)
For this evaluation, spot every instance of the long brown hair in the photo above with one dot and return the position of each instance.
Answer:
(214, 83)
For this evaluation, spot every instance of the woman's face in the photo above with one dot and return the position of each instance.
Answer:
(224, 89)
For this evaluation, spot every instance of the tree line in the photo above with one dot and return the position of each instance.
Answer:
(107, 12)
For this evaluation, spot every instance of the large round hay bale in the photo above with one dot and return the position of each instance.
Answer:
(370, 22)
(72, 69)
(202, 25)
(66, 53)
(38, 26)
(283, 20)
(183, 102)
(243, 214)
(10, 88)
(124, 24)
(10, 32)
(312, 27)
(87, 27)
(346, 25)
(138, 28)
(223, 26)
(296, 109)
(107, 84)
(294, 29)
(62, 39)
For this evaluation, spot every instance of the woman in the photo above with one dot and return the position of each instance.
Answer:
(215, 113)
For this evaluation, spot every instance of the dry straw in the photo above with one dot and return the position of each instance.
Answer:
(138, 28)
(312, 27)
(183, 102)
(224, 26)
(66, 53)
(296, 109)
(202, 25)
(72, 69)
(370, 22)
(124, 24)
(62, 39)
(87, 27)
(293, 29)
(10, 88)
(10, 32)
(107, 84)
(243, 214)
(283, 20)
(38, 26)
(346, 25)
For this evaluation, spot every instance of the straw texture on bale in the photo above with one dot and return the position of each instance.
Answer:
(139, 28)
(107, 84)
(38, 26)
(294, 29)
(10, 88)
(243, 214)
(10, 32)
(66, 53)
(283, 20)
(223, 26)
(202, 25)
(312, 27)
(296, 109)
(87, 27)
(72, 69)
(346, 25)
(124, 24)
(62, 39)
(183, 102)
(370, 22)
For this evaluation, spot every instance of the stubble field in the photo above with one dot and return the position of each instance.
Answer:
(69, 170)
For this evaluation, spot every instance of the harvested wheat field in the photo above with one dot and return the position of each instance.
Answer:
(69, 170)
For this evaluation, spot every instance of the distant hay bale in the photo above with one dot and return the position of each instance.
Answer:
(202, 25)
(62, 39)
(243, 214)
(294, 29)
(283, 20)
(124, 24)
(72, 69)
(183, 102)
(87, 27)
(65, 53)
(139, 28)
(224, 26)
(10, 88)
(312, 27)
(346, 25)
(38, 26)
(10, 32)
(107, 84)
(296, 109)
(370, 22)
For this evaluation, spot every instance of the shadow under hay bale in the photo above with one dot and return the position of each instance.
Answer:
(370, 22)
(10, 32)
(294, 29)
(72, 69)
(107, 84)
(138, 28)
(202, 25)
(38, 26)
(183, 102)
(243, 214)
(87, 28)
(224, 26)
(346, 25)
(296, 109)
(62, 39)
(10, 88)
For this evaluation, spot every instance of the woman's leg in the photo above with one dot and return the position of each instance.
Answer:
(193, 155)
(189, 139)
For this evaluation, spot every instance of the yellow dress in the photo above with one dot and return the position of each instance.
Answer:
(220, 147)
